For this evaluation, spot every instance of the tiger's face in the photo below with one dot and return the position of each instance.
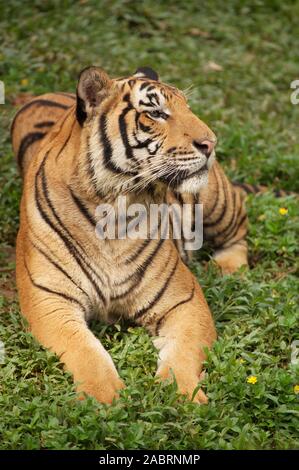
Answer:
(143, 133)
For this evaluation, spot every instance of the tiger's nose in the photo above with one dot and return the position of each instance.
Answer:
(204, 146)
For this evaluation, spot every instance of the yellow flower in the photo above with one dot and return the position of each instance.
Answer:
(24, 81)
(252, 379)
(283, 211)
(296, 389)
(241, 360)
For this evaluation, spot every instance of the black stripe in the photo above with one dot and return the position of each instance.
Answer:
(144, 85)
(206, 216)
(154, 99)
(57, 266)
(231, 229)
(144, 128)
(123, 131)
(248, 188)
(140, 313)
(126, 98)
(237, 227)
(144, 245)
(223, 210)
(140, 271)
(226, 233)
(258, 188)
(82, 208)
(179, 197)
(46, 289)
(42, 124)
(137, 116)
(182, 302)
(219, 217)
(43, 102)
(144, 144)
(28, 140)
(69, 246)
(107, 149)
(232, 219)
(148, 105)
(135, 255)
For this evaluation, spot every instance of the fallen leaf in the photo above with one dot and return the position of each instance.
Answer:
(199, 33)
(212, 66)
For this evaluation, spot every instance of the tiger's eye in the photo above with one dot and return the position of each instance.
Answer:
(157, 114)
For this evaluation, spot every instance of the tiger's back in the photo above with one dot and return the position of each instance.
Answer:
(34, 120)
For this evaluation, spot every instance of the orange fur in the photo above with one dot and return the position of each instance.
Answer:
(66, 275)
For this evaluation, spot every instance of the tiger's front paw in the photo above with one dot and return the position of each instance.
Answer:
(105, 389)
(186, 382)
(231, 259)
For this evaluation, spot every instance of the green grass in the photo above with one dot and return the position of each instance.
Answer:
(247, 104)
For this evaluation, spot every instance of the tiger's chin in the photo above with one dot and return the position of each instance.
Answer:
(194, 184)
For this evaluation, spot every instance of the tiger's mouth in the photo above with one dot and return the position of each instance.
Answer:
(178, 176)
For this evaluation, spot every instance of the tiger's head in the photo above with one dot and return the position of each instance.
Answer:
(139, 132)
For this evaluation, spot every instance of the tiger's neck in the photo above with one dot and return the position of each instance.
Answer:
(96, 183)
(85, 172)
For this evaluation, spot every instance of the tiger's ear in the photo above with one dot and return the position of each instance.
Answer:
(146, 72)
(93, 86)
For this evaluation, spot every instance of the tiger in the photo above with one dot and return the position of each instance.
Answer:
(133, 136)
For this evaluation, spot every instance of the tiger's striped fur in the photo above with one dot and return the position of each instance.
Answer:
(225, 220)
(95, 147)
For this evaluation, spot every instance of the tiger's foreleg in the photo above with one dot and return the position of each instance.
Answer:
(232, 258)
(183, 332)
(58, 323)
(63, 330)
